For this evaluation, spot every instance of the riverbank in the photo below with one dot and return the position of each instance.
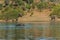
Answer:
(36, 17)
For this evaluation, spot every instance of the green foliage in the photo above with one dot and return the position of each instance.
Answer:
(0, 6)
(45, 5)
(16, 3)
(20, 10)
(56, 11)
(12, 12)
(51, 6)
(42, 5)
(20, 2)
(28, 6)
(9, 13)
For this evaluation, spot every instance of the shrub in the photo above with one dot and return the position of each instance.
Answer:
(51, 5)
(20, 2)
(10, 13)
(56, 11)
(42, 5)
(28, 6)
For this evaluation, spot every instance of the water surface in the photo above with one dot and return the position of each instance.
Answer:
(30, 31)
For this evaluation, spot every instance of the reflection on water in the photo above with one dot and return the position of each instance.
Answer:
(30, 31)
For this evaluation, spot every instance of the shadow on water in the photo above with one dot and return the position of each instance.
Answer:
(19, 24)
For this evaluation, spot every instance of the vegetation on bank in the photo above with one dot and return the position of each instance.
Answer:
(56, 11)
(16, 9)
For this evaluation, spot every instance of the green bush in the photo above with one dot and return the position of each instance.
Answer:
(56, 11)
(51, 6)
(21, 11)
(20, 2)
(10, 13)
(42, 5)
(28, 6)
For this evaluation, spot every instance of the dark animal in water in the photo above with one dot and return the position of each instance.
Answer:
(19, 24)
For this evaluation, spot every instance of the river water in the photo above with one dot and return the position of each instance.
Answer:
(30, 31)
